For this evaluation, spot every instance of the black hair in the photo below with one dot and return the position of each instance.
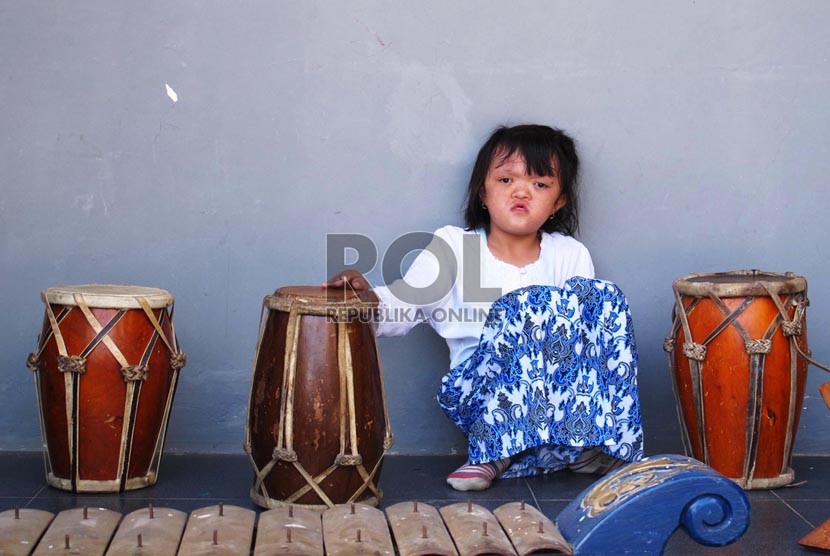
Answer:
(547, 151)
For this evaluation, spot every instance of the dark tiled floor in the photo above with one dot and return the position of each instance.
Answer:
(187, 482)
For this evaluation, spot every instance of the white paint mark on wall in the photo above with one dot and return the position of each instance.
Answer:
(84, 202)
(171, 93)
(428, 114)
(104, 181)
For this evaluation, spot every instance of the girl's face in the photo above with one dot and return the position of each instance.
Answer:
(519, 203)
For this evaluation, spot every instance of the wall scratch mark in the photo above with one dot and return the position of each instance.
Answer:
(377, 37)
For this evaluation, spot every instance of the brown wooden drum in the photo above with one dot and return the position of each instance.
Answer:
(106, 368)
(317, 422)
(737, 372)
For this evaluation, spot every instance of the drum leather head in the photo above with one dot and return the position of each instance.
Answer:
(334, 298)
(107, 296)
(740, 283)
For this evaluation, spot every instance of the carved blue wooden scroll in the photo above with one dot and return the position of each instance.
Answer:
(638, 507)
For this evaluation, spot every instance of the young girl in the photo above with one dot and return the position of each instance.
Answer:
(543, 360)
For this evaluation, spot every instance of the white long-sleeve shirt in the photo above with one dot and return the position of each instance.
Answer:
(454, 305)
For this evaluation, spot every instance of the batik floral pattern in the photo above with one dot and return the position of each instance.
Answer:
(554, 373)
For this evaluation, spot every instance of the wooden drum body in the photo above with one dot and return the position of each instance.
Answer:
(737, 375)
(317, 422)
(106, 369)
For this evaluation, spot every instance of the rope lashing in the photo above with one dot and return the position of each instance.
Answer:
(760, 346)
(281, 454)
(694, 351)
(178, 360)
(346, 459)
(791, 328)
(133, 373)
(33, 362)
(71, 364)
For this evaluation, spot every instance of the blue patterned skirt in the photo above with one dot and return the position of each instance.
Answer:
(554, 374)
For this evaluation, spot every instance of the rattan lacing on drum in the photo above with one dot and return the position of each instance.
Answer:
(135, 373)
(72, 364)
(284, 451)
(281, 454)
(33, 362)
(755, 347)
(694, 351)
(792, 327)
(178, 360)
(347, 460)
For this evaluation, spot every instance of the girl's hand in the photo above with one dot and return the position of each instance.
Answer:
(355, 280)
(347, 278)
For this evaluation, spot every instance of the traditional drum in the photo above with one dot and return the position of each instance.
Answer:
(738, 355)
(317, 423)
(106, 368)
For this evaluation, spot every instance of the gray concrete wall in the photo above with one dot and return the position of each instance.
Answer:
(704, 128)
